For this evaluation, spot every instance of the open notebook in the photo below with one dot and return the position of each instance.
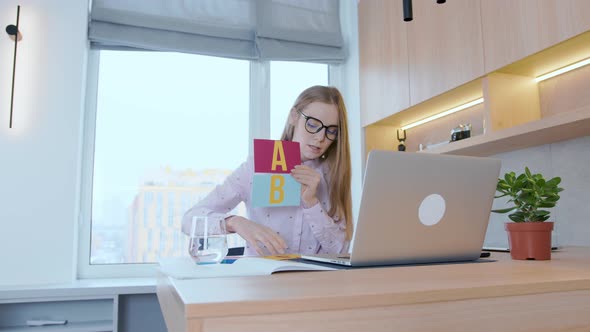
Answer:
(186, 268)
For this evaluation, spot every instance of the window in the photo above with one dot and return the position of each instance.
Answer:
(165, 129)
(287, 80)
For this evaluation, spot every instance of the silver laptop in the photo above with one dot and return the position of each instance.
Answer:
(421, 208)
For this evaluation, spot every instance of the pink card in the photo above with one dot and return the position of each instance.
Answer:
(272, 156)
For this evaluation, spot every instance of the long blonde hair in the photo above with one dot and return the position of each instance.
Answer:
(337, 156)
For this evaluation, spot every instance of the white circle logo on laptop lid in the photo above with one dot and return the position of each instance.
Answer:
(432, 209)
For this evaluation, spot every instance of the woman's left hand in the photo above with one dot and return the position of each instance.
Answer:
(310, 180)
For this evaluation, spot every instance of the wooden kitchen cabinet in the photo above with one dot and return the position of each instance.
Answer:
(513, 30)
(445, 56)
(383, 60)
(445, 47)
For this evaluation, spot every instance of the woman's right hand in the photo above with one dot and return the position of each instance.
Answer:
(258, 236)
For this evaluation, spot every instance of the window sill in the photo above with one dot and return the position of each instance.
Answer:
(79, 288)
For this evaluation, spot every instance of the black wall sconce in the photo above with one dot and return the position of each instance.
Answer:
(402, 140)
(14, 33)
(407, 6)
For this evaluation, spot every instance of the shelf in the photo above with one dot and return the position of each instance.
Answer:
(95, 288)
(559, 127)
(93, 326)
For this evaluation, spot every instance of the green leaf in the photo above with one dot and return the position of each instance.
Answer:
(509, 178)
(549, 192)
(547, 204)
(554, 182)
(540, 213)
(516, 217)
(504, 210)
(527, 198)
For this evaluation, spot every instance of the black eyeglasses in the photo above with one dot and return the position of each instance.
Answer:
(313, 125)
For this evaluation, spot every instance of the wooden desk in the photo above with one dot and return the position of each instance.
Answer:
(505, 295)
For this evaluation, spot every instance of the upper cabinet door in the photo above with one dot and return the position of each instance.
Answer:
(575, 17)
(445, 46)
(383, 60)
(514, 29)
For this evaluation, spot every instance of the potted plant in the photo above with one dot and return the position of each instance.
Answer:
(530, 194)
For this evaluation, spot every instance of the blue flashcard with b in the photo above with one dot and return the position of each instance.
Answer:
(272, 189)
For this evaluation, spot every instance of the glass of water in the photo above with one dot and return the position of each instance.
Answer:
(208, 239)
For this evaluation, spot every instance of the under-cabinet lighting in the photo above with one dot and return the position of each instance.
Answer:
(445, 113)
(563, 70)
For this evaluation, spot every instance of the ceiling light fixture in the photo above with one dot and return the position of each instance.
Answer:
(407, 4)
(407, 9)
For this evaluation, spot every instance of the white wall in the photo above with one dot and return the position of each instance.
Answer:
(40, 155)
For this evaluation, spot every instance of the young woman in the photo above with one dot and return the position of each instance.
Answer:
(323, 221)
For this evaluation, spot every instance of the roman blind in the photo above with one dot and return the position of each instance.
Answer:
(292, 30)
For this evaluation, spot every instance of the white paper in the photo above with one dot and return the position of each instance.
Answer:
(186, 268)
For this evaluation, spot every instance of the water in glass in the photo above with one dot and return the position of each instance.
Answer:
(208, 239)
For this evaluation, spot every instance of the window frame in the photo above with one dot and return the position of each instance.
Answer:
(259, 117)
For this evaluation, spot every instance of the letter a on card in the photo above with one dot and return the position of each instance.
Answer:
(272, 156)
(272, 184)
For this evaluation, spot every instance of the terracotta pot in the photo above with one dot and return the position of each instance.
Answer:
(529, 240)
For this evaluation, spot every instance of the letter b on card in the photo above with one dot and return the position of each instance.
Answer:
(275, 190)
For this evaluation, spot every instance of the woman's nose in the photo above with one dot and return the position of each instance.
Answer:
(321, 135)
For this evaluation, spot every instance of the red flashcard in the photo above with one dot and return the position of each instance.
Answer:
(272, 156)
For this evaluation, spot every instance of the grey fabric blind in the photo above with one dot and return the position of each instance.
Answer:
(298, 30)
